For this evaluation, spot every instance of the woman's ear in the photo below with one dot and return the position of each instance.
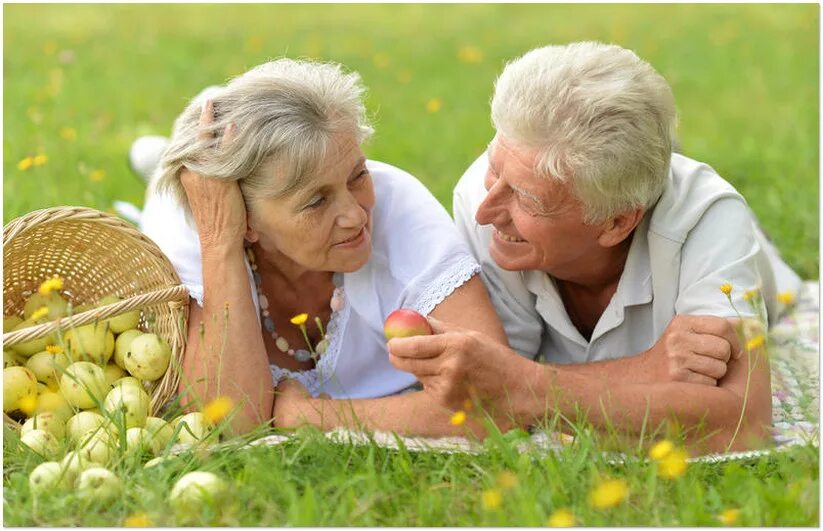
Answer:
(251, 233)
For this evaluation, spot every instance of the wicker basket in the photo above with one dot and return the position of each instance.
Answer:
(96, 254)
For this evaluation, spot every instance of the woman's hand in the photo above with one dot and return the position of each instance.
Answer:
(217, 205)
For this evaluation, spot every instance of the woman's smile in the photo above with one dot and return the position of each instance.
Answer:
(356, 241)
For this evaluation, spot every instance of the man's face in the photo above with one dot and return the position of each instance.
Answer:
(538, 222)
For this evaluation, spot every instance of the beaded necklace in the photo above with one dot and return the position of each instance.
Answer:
(282, 344)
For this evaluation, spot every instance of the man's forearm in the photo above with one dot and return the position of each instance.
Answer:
(708, 414)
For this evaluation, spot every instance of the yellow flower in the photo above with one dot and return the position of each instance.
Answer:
(68, 133)
(300, 319)
(137, 520)
(726, 288)
(434, 105)
(40, 159)
(25, 164)
(49, 47)
(217, 409)
(492, 499)
(729, 516)
(470, 54)
(609, 493)
(380, 60)
(39, 312)
(786, 297)
(661, 450)
(750, 295)
(673, 465)
(52, 284)
(54, 349)
(561, 518)
(756, 342)
(458, 418)
(97, 175)
(28, 404)
(506, 480)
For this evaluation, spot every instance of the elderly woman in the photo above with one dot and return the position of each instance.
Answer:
(295, 248)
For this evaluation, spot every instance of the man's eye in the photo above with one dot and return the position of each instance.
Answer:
(359, 176)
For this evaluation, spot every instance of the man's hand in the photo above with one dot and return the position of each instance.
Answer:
(456, 364)
(693, 349)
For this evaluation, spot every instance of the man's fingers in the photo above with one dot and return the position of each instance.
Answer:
(713, 368)
(206, 119)
(701, 379)
(717, 326)
(418, 347)
(418, 367)
(711, 346)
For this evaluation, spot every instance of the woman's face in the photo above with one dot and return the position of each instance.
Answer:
(326, 224)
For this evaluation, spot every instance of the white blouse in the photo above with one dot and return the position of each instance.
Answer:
(418, 259)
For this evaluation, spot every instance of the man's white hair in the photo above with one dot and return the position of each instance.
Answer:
(600, 118)
(287, 113)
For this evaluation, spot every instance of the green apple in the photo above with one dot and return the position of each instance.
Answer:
(19, 383)
(34, 346)
(148, 357)
(83, 384)
(99, 484)
(10, 321)
(160, 430)
(92, 342)
(98, 446)
(10, 359)
(196, 427)
(113, 373)
(194, 491)
(45, 477)
(84, 422)
(53, 301)
(47, 421)
(139, 440)
(42, 442)
(54, 402)
(48, 367)
(130, 401)
(156, 461)
(122, 322)
(128, 380)
(122, 344)
(72, 464)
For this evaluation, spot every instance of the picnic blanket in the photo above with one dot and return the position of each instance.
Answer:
(795, 363)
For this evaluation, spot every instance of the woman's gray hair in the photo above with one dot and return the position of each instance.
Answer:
(287, 113)
(600, 118)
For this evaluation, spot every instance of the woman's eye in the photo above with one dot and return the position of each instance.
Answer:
(316, 201)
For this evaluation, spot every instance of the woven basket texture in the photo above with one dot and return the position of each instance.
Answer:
(96, 254)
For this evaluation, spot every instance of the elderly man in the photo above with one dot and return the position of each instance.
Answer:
(604, 254)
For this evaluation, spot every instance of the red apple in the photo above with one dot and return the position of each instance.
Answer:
(406, 323)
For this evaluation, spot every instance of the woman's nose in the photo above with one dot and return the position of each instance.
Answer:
(353, 214)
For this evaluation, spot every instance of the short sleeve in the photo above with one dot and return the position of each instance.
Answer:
(166, 224)
(513, 302)
(722, 249)
(415, 243)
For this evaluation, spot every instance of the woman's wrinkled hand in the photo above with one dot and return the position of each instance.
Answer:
(217, 205)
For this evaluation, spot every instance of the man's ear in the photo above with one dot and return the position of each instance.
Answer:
(251, 233)
(617, 228)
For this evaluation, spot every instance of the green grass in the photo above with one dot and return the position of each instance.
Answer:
(746, 82)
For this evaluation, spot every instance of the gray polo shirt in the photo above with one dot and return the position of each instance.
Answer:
(699, 235)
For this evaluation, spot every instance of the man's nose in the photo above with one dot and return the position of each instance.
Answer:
(492, 206)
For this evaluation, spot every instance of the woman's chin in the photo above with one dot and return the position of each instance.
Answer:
(350, 264)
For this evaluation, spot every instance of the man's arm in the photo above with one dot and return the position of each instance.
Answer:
(518, 391)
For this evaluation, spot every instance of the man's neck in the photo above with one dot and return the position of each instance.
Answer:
(600, 271)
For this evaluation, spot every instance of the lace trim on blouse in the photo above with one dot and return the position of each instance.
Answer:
(445, 283)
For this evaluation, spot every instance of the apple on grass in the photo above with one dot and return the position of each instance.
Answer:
(99, 484)
(406, 323)
(42, 442)
(45, 477)
(195, 491)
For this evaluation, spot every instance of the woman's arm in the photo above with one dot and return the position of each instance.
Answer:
(408, 414)
(225, 353)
